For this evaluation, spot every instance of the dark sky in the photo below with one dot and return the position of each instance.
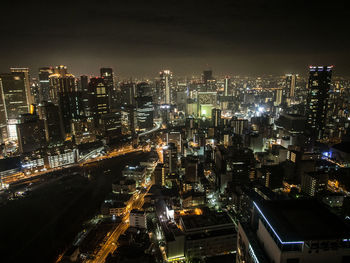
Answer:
(139, 38)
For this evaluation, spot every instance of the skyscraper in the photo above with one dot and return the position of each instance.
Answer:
(53, 123)
(278, 97)
(216, 117)
(98, 97)
(290, 84)
(144, 112)
(84, 88)
(226, 85)
(44, 82)
(108, 75)
(13, 102)
(25, 72)
(166, 77)
(127, 93)
(207, 75)
(317, 100)
(31, 133)
(66, 95)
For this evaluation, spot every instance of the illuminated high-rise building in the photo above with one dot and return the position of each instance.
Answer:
(145, 112)
(65, 94)
(278, 97)
(108, 75)
(317, 100)
(84, 88)
(127, 93)
(166, 78)
(25, 72)
(60, 81)
(44, 83)
(216, 117)
(13, 103)
(226, 85)
(98, 97)
(291, 84)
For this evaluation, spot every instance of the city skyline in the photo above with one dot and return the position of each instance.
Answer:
(174, 131)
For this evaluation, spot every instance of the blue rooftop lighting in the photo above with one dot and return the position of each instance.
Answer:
(282, 242)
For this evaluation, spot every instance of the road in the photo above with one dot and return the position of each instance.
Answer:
(57, 211)
(21, 176)
(136, 202)
(156, 128)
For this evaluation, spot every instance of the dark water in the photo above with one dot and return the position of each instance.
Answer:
(37, 228)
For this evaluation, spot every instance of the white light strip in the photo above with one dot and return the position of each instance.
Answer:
(283, 242)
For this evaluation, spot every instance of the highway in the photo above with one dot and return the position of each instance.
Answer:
(136, 202)
(8, 180)
(158, 125)
(21, 176)
(58, 211)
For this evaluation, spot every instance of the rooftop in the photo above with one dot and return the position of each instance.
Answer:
(301, 220)
(207, 219)
(343, 147)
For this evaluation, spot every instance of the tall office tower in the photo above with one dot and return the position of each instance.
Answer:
(226, 85)
(13, 102)
(44, 82)
(240, 126)
(278, 97)
(127, 93)
(60, 81)
(35, 90)
(31, 133)
(109, 125)
(291, 80)
(98, 97)
(216, 117)
(108, 75)
(53, 124)
(166, 78)
(25, 72)
(66, 96)
(145, 112)
(170, 157)
(84, 88)
(317, 100)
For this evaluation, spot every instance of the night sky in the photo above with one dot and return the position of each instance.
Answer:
(139, 38)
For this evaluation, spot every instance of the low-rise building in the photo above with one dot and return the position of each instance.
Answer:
(208, 233)
(137, 218)
(136, 173)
